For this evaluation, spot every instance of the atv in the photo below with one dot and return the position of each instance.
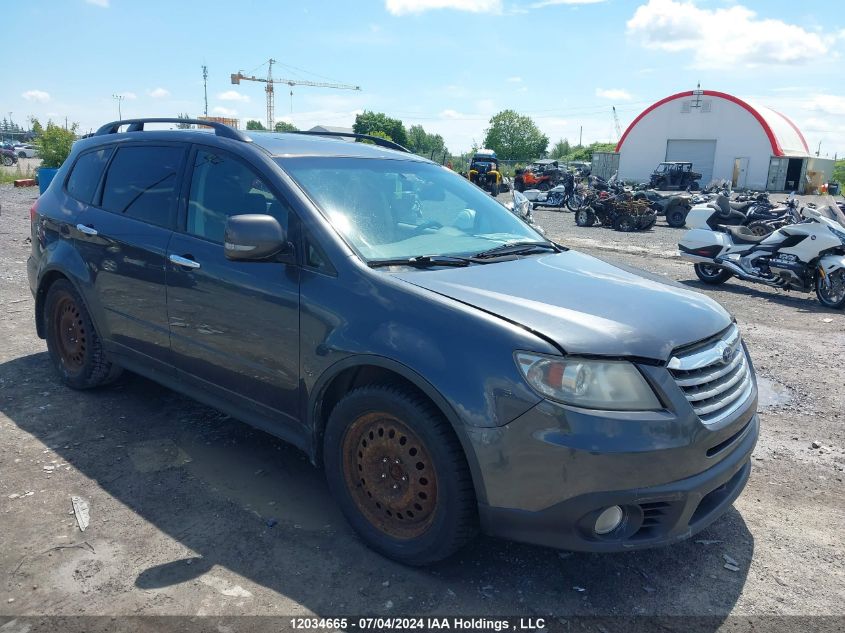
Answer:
(484, 171)
(542, 174)
(674, 175)
(673, 207)
(621, 212)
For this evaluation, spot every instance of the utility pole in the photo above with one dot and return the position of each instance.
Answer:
(118, 98)
(819, 150)
(580, 136)
(205, 86)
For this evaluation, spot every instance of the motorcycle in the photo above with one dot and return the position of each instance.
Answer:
(565, 194)
(808, 254)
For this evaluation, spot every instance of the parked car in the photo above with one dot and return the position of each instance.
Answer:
(26, 151)
(447, 366)
(8, 156)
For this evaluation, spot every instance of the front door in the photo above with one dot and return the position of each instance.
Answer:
(123, 237)
(740, 173)
(234, 326)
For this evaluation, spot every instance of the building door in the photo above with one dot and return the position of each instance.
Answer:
(740, 173)
(793, 174)
(700, 153)
(777, 174)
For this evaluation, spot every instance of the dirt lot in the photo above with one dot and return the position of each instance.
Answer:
(193, 513)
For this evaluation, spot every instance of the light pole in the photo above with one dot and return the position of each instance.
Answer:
(118, 98)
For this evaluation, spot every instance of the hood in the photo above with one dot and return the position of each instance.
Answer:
(583, 304)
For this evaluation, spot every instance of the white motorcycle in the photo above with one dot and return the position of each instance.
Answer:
(806, 255)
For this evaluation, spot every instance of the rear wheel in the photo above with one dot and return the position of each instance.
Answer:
(7, 161)
(676, 217)
(831, 293)
(760, 228)
(575, 202)
(72, 340)
(625, 222)
(399, 474)
(712, 274)
(585, 217)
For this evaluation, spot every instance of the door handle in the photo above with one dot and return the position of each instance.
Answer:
(87, 230)
(184, 261)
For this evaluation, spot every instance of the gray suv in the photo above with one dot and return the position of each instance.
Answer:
(449, 367)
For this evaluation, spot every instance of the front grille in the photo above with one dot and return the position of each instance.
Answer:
(715, 376)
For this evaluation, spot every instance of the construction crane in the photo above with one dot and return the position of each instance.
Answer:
(616, 125)
(270, 80)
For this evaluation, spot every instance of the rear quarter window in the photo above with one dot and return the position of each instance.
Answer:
(142, 183)
(85, 176)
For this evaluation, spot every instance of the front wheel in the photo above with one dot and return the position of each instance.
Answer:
(760, 228)
(585, 217)
(712, 274)
(399, 474)
(7, 161)
(494, 189)
(830, 289)
(575, 202)
(625, 222)
(676, 217)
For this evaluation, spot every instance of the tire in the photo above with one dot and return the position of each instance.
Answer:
(415, 514)
(694, 186)
(21, 154)
(624, 222)
(676, 217)
(712, 274)
(494, 189)
(7, 161)
(833, 297)
(72, 340)
(648, 223)
(575, 202)
(585, 217)
(760, 228)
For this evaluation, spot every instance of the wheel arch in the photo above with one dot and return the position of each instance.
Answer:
(47, 280)
(360, 370)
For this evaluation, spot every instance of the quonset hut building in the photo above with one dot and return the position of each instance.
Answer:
(725, 137)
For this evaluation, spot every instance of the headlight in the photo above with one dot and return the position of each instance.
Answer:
(592, 384)
(838, 233)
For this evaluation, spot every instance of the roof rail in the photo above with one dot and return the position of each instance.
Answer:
(137, 125)
(377, 140)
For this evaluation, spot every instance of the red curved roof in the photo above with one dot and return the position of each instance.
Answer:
(777, 150)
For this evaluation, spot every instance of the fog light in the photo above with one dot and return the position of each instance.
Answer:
(609, 520)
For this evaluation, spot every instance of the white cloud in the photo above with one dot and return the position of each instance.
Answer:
(515, 80)
(233, 95)
(224, 111)
(826, 104)
(549, 3)
(614, 94)
(129, 96)
(159, 93)
(36, 95)
(400, 7)
(724, 37)
(99, 3)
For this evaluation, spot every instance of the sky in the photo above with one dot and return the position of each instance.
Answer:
(448, 65)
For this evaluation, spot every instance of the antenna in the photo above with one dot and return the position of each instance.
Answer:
(697, 94)
(205, 86)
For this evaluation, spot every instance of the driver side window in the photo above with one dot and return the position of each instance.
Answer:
(222, 186)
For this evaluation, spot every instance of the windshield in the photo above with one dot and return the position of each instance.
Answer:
(388, 209)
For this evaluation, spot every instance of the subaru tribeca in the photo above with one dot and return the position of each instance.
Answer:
(449, 367)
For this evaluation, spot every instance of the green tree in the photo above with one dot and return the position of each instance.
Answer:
(284, 126)
(586, 153)
(424, 143)
(839, 171)
(55, 143)
(252, 124)
(368, 122)
(560, 149)
(515, 137)
(37, 128)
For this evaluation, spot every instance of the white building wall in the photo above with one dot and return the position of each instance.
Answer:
(736, 131)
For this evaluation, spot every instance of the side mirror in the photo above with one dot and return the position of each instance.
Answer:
(254, 238)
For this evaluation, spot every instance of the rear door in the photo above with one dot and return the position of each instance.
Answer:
(234, 325)
(123, 237)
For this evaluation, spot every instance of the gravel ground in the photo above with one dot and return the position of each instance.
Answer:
(193, 513)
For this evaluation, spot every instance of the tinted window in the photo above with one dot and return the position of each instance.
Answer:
(141, 183)
(83, 180)
(222, 186)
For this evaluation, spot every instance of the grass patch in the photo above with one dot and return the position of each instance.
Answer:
(11, 174)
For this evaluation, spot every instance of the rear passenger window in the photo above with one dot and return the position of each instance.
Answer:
(83, 180)
(222, 186)
(141, 183)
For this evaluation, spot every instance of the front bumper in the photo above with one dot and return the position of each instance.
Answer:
(654, 516)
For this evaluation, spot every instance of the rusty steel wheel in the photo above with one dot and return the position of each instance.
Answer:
(390, 475)
(69, 331)
(72, 339)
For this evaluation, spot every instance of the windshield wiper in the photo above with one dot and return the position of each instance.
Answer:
(422, 261)
(515, 248)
